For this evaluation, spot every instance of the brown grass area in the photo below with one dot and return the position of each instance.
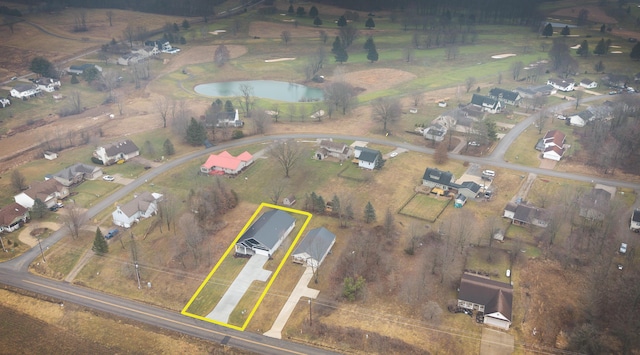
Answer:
(541, 284)
(596, 14)
(71, 329)
(265, 29)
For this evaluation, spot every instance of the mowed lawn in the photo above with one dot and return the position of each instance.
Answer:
(425, 207)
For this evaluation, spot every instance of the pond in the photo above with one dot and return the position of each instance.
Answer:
(268, 89)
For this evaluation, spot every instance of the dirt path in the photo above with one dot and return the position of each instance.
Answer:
(84, 259)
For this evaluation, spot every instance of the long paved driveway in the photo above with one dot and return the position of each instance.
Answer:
(252, 271)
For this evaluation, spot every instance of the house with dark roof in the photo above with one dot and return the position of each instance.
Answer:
(265, 234)
(143, 205)
(49, 192)
(506, 96)
(79, 69)
(635, 220)
(225, 119)
(562, 84)
(77, 173)
(537, 90)
(225, 163)
(523, 214)
(486, 103)
(368, 158)
(595, 204)
(12, 217)
(114, 152)
(47, 84)
(493, 298)
(315, 246)
(435, 132)
(329, 148)
(581, 118)
(435, 178)
(24, 91)
(469, 189)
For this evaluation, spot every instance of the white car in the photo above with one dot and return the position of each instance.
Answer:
(474, 144)
(623, 248)
(108, 178)
(488, 173)
(393, 154)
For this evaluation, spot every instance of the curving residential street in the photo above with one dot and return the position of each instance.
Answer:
(15, 272)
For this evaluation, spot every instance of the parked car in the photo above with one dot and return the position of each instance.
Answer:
(393, 154)
(623, 248)
(488, 173)
(108, 178)
(112, 233)
(474, 144)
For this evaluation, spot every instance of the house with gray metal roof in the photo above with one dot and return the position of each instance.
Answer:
(266, 234)
(77, 173)
(508, 97)
(315, 246)
(368, 158)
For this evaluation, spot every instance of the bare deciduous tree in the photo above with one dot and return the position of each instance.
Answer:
(162, 105)
(386, 110)
(316, 62)
(339, 95)
(74, 219)
(246, 99)
(221, 56)
(167, 211)
(286, 153)
(109, 15)
(347, 35)
(285, 36)
(129, 33)
(516, 68)
(469, 83)
(261, 121)
(18, 181)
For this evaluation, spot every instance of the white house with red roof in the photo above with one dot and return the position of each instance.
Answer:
(552, 145)
(225, 163)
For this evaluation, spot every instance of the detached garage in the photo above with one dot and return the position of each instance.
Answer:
(494, 298)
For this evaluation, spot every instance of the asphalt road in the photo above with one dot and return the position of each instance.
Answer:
(15, 272)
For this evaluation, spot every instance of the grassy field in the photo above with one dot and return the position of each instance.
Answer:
(425, 207)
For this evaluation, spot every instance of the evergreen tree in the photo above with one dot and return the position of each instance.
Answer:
(317, 21)
(290, 11)
(335, 205)
(100, 245)
(342, 21)
(369, 43)
(583, 50)
(373, 54)
(600, 48)
(41, 66)
(185, 24)
(635, 52)
(379, 162)
(228, 106)
(39, 209)
(370, 24)
(342, 55)
(547, 31)
(492, 131)
(168, 147)
(603, 28)
(565, 31)
(300, 11)
(74, 79)
(369, 213)
(196, 133)
(90, 74)
(319, 204)
(599, 67)
(337, 45)
(313, 11)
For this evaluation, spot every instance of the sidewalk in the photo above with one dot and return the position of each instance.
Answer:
(301, 290)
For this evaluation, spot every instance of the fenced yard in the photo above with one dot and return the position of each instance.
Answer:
(424, 207)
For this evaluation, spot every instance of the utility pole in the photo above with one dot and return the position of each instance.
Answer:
(310, 319)
(41, 251)
(134, 256)
(138, 275)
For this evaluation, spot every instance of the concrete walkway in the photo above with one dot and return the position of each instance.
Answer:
(301, 290)
(252, 271)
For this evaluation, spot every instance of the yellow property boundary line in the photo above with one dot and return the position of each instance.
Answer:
(226, 253)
